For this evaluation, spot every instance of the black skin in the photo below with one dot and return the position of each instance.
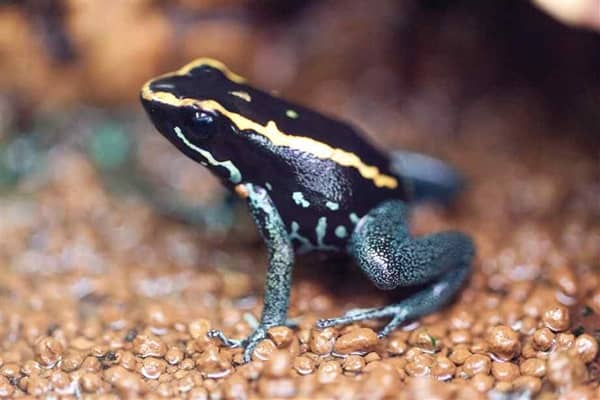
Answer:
(303, 201)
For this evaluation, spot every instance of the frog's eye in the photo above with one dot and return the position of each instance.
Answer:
(203, 119)
(203, 124)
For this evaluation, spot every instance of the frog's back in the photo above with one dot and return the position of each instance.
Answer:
(322, 174)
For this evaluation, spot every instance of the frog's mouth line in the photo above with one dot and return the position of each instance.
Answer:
(235, 175)
(270, 130)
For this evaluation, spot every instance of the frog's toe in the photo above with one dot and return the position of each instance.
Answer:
(217, 334)
(248, 344)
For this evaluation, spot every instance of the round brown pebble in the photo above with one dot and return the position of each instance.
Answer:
(543, 339)
(321, 342)
(482, 382)
(397, 346)
(477, 364)
(328, 372)
(198, 328)
(152, 367)
(459, 355)
(6, 389)
(281, 335)
(533, 367)
(304, 365)
(530, 384)
(279, 364)
(49, 351)
(443, 368)
(353, 363)
(557, 318)
(586, 347)
(565, 371)
(263, 350)
(504, 371)
(277, 388)
(149, 346)
(503, 342)
(423, 339)
(174, 355)
(358, 340)
(90, 382)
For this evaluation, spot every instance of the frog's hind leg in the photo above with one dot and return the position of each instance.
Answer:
(430, 179)
(391, 258)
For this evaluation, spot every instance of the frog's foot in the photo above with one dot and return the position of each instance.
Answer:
(248, 344)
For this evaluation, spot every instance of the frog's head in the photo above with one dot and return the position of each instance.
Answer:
(186, 107)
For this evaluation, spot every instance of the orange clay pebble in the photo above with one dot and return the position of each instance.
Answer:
(530, 384)
(281, 335)
(381, 382)
(396, 346)
(152, 367)
(59, 380)
(564, 278)
(565, 371)
(423, 339)
(564, 341)
(443, 368)
(460, 336)
(235, 387)
(212, 364)
(263, 350)
(125, 381)
(279, 364)
(482, 382)
(504, 371)
(419, 366)
(476, 364)
(459, 355)
(594, 301)
(90, 382)
(357, 340)
(533, 367)
(329, 371)
(503, 342)
(30, 367)
(586, 347)
(353, 363)
(542, 339)
(174, 355)
(37, 386)
(6, 389)
(49, 351)
(149, 346)
(321, 342)
(304, 365)
(71, 361)
(557, 318)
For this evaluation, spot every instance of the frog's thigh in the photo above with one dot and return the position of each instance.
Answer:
(391, 258)
(383, 248)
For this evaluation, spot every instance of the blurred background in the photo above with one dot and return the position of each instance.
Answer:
(508, 91)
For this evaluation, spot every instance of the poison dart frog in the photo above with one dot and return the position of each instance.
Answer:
(313, 183)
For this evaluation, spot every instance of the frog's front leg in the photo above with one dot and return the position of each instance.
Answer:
(383, 248)
(279, 272)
